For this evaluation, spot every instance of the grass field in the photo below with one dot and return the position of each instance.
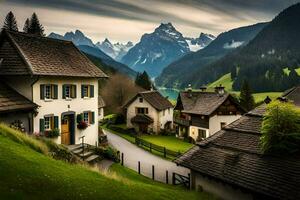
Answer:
(28, 174)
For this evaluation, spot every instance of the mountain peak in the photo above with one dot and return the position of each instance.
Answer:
(166, 26)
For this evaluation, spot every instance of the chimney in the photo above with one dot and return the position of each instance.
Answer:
(203, 88)
(220, 90)
(189, 90)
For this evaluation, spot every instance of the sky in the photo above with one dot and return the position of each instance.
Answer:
(128, 20)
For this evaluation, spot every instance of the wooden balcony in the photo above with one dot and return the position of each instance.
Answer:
(181, 121)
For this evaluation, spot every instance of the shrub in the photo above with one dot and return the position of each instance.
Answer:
(281, 128)
(108, 152)
(52, 133)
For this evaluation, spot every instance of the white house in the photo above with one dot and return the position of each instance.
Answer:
(203, 113)
(57, 77)
(150, 112)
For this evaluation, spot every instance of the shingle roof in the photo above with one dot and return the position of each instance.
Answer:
(154, 98)
(293, 94)
(11, 101)
(26, 54)
(202, 103)
(142, 118)
(233, 156)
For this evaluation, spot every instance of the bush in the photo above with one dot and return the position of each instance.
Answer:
(52, 133)
(109, 153)
(281, 128)
(167, 133)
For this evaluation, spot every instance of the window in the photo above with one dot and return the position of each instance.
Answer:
(48, 91)
(47, 123)
(201, 133)
(87, 91)
(69, 91)
(141, 100)
(141, 110)
(86, 117)
(223, 124)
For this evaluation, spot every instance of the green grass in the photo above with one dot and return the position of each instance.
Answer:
(170, 142)
(225, 80)
(28, 174)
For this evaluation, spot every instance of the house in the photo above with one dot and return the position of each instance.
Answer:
(55, 75)
(101, 106)
(202, 113)
(231, 165)
(15, 109)
(149, 111)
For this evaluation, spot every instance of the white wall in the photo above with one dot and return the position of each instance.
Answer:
(100, 114)
(60, 105)
(215, 122)
(223, 191)
(163, 119)
(193, 132)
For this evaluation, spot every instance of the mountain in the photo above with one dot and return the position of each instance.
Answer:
(78, 38)
(202, 41)
(187, 69)
(156, 50)
(116, 51)
(264, 60)
(97, 53)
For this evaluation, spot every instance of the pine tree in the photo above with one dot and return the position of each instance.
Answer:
(35, 26)
(246, 97)
(26, 26)
(143, 81)
(10, 22)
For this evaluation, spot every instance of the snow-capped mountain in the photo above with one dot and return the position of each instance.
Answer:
(202, 41)
(78, 38)
(116, 51)
(156, 50)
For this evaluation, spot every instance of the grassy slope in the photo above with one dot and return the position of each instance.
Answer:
(27, 174)
(227, 82)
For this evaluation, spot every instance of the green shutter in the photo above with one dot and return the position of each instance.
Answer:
(82, 91)
(64, 91)
(56, 122)
(93, 118)
(42, 125)
(92, 91)
(74, 91)
(55, 90)
(79, 118)
(42, 91)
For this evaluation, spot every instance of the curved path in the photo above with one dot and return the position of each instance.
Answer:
(133, 154)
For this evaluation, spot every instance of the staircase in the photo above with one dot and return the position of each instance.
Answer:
(87, 154)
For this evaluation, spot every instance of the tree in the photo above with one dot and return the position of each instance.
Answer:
(26, 26)
(281, 128)
(143, 81)
(35, 26)
(246, 97)
(10, 22)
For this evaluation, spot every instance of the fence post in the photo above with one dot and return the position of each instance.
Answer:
(153, 172)
(122, 159)
(150, 147)
(189, 175)
(173, 178)
(167, 177)
(165, 152)
(139, 167)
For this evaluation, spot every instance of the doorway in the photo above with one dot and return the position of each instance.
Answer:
(67, 129)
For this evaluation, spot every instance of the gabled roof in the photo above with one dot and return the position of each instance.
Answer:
(11, 101)
(154, 98)
(233, 156)
(26, 54)
(202, 103)
(293, 94)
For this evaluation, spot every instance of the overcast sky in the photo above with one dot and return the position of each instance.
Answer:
(123, 20)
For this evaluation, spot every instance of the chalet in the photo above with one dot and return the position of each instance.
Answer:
(150, 112)
(202, 113)
(57, 77)
(231, 165)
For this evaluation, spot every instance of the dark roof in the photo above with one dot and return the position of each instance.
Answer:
(154, 98)
(202, 103)
(293, 94)
(142, 118)
(101, 102)
(25, 54)
(11, 101)
(233, 156)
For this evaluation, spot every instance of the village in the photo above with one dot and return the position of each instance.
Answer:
(208, 141)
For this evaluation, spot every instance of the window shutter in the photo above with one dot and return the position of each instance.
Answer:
(52, 122)
(64, 91)
(42, 125)
(91, 91)
(79, 118)
(92, 117)
(56, 122)
(55, 92)
(42, 91)
(82, 91)
(73, 91)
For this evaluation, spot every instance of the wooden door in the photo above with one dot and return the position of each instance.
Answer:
(65, 131)
(143, 128)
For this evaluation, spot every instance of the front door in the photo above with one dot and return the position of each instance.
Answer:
(65, 131)
(143, 128)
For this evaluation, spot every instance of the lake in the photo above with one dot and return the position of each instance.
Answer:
(169, 92)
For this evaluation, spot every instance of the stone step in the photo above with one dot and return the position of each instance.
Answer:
(77, 151)
(92, 158)
(74, 147)
(86, 154)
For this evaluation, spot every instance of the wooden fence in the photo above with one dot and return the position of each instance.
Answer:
(166, 152)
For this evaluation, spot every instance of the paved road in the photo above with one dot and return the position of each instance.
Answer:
(133, 154)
